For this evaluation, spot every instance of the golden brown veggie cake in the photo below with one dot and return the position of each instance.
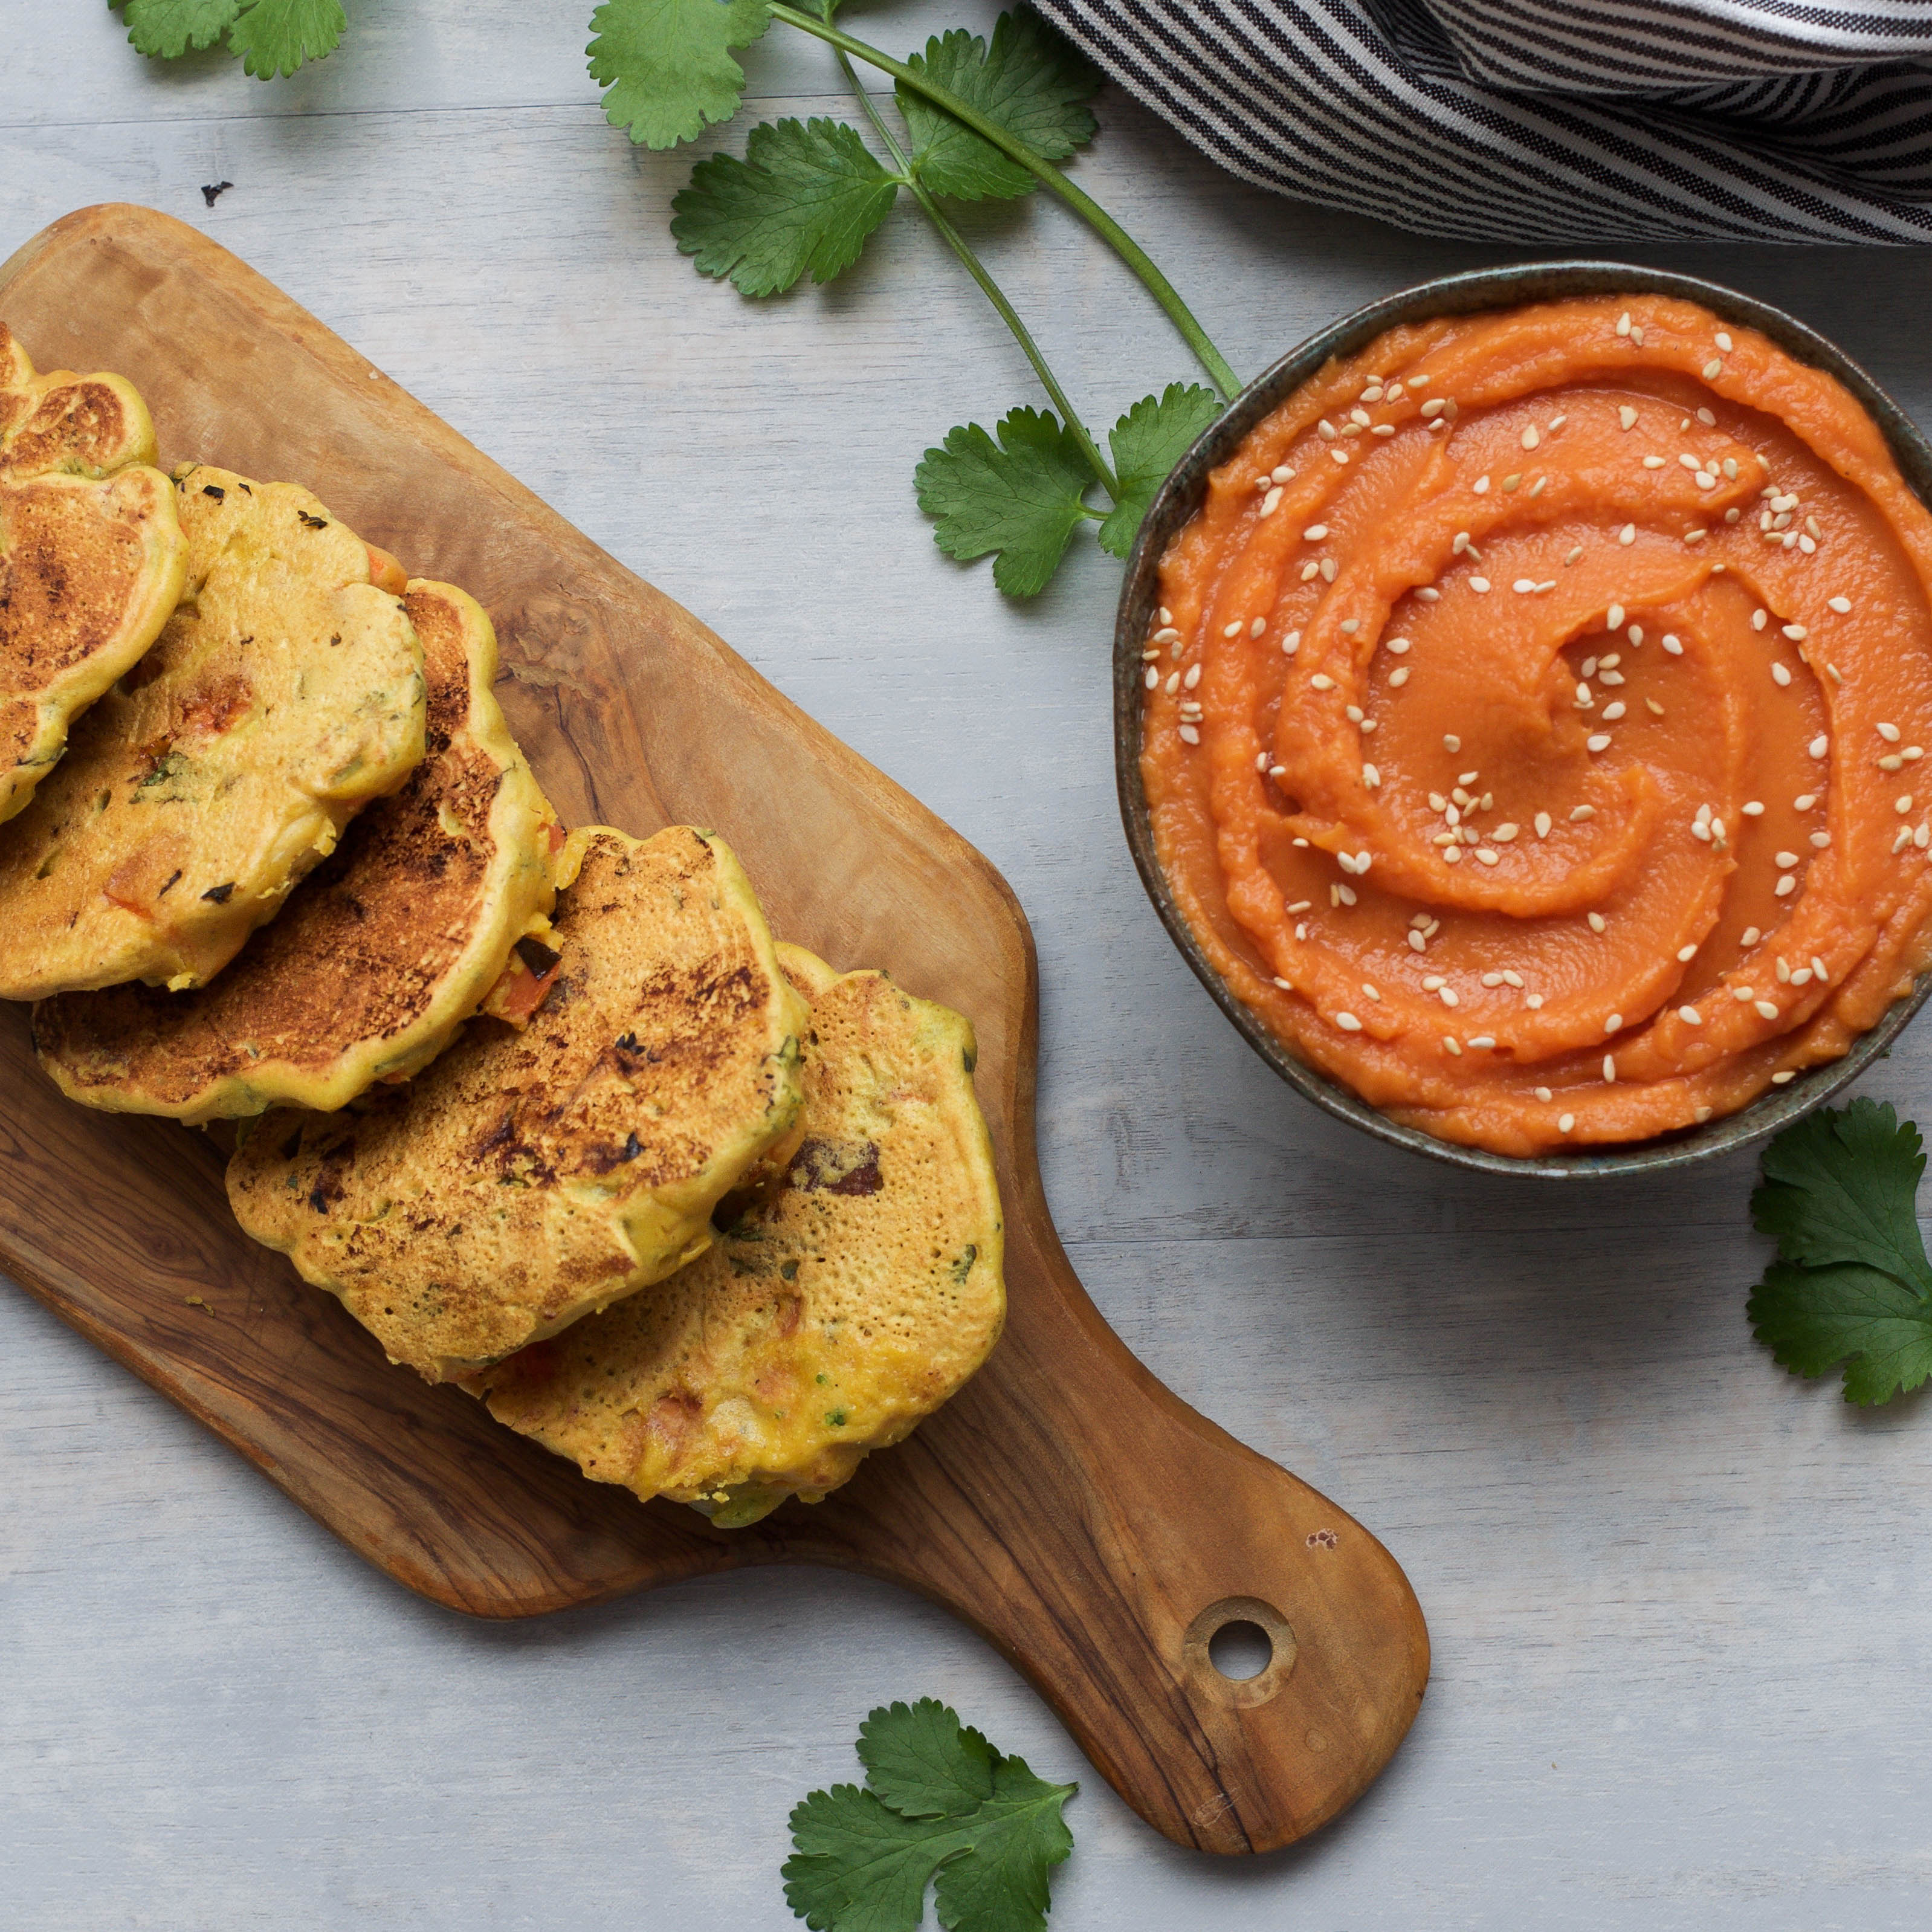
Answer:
(381, 953)
(284, 693)
(91, 554)
(528, 1177)
(833, 1312)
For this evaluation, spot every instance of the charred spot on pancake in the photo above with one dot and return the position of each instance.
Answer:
(220, 895)
(215, 490)
(312, 522)
(837, 1167)
(174, 879)
(540, 958)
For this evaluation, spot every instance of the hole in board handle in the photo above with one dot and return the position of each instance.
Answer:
(1252, 1639)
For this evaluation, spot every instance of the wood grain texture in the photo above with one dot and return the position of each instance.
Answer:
(1087, 1523)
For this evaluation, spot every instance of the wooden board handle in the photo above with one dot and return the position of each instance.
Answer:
(1099, 1533)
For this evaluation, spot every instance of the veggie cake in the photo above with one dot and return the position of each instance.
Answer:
(837, 1307)
(380, 955)
(92, 558)
(284, 693)
(531, 1175)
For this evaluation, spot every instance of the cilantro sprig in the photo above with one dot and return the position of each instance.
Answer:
(980, 121)
(1851, 1283)
(940, 1807)
(272, 38)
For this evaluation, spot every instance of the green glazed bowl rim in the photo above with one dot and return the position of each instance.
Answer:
(1180, 497)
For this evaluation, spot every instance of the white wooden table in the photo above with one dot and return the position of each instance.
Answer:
(1680, 1604)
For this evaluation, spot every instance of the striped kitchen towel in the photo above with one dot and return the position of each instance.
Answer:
(1550, 120)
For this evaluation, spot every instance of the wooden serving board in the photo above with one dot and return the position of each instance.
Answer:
(1087, 1523)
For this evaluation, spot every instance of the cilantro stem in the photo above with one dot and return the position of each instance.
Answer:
(1083, 204)
(977, 269)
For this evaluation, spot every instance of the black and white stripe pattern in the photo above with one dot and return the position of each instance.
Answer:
(1550, 120)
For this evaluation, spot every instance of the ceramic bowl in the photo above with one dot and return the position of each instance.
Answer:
(1181, 495)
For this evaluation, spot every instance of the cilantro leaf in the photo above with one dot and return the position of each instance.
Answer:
(939, 1801)
(1841, 1185)
(666, 65)
(924, 1763)
(166, 29)
(1022, 497)
(1030, 82)
(274, 37)
(806, 196)
(1839, 1193)
(1147, 441)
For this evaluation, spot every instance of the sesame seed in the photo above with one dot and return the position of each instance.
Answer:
(1705, 480)
(1723, 342)
(1797, 633)
(1286, 986)
(1782, 970)
(1752, 807)
(1173, 683)
(1510, 979)
(1468, 778)
(1531, 438)
(1433, 407)
(1841, 604)
(1780, 676)
(1784, 1079)
(1819, 746)
(1451, 1045)
(1479, 584)
(1327, 568)
(1321, 681)
(1609, 1069)
(1903, 839)
(1371, 777)
(1492, 978)
(1624, 323)
(1627, 416)
(1578, 813)
(1348, 1023)
(1290, 644)
(1822, 841)
(1192, 678)
(1271, 502)
(1399, 675)
(1452, 743)
(1255, 629)
(1488, 857)
(1596, 921)
(1764, 1009)
(1614, 1024)
(1635, 634)
(1315, 533)
(1369, 991)
(1565, 1122)
(1428, 594)
(1483, 1040)
(1434, 983)
(1503, 834)
(1153, 677)
(1481, 486)
(1713, 369)
(1700, 830)
(1325, 430)
(1282, 473)
(1613, 618)
(1447, 994)
(1597, 741)
(1890, 734)
(1573, 554)
(1189, 736)
(1416, 940)
(1902, 803)
(1542, 825)
(1787, 884)
(1705, 416)
(1166, 617)
(1300, 905)
(1655, 709)
(1689, 1016)
(1543, 1094)
(1309, 571)
(1534, 1001)
(1349, 626)
(1653, 463)
(1612, 713)
(1802, 977)
(1784, 861)
(1673, 645)
(1523, 586)
(1338, 456)
(1749, 936)
(1921, 838)
(1818, 969)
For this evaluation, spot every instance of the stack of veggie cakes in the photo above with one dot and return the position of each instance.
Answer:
(549, 1111)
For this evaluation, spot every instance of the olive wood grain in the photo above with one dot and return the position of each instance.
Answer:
(1088, 1523)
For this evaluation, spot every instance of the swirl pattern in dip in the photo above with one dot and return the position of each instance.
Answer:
(1533, 727)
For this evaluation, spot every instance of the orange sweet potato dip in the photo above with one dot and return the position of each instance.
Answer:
(1534, 726)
